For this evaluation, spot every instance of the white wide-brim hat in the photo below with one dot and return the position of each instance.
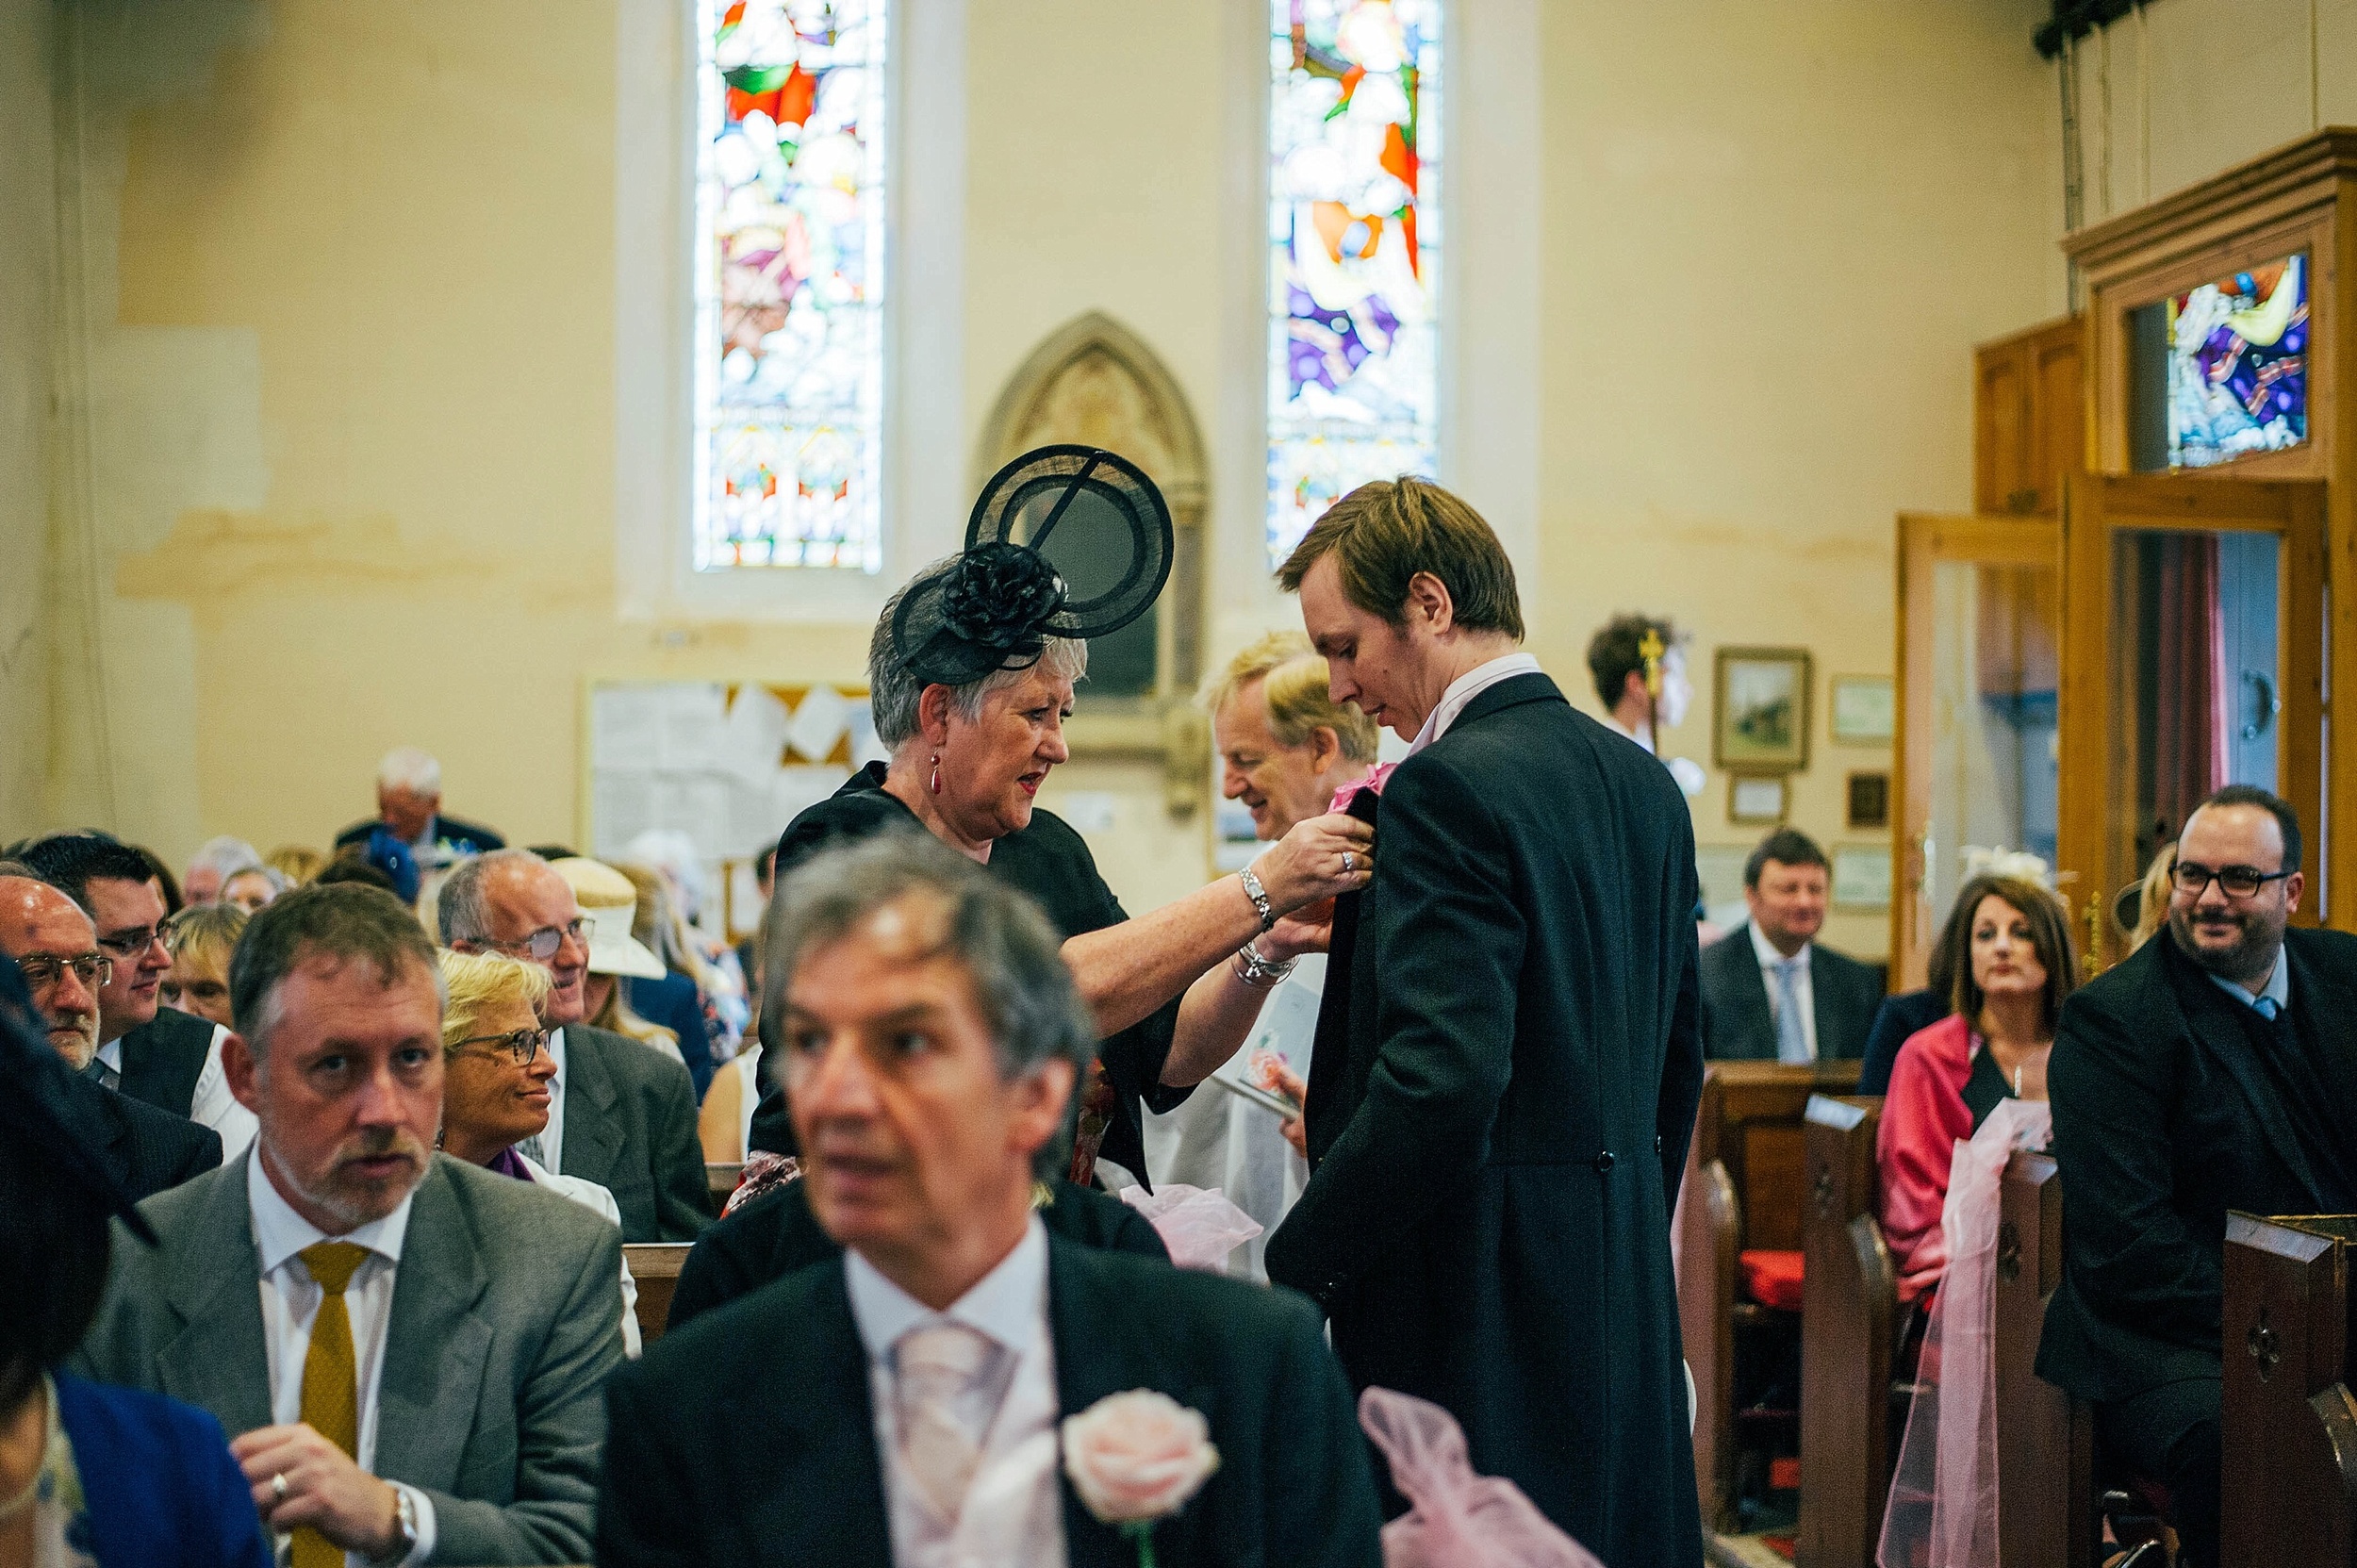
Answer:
(613, 950)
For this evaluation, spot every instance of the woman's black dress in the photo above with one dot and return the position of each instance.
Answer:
(1051, 862)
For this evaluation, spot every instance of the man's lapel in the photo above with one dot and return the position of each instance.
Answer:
(1331, 1102)
(2214, 1019)
(804, 1455)
(593, 1131)
(436, 1344)
(217, 1361)
(1751, 1033)
(1103, 1348)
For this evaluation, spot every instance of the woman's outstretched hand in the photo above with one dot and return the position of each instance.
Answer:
(1318, 859)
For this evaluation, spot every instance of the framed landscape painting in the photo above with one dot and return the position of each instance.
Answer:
(1762, 709)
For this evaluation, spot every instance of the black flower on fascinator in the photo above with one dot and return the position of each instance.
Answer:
(1066, 541)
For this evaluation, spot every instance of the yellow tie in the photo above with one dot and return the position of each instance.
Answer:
(331, 1384)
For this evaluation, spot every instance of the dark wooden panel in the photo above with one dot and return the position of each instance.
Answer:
(2290, 1471)
(1848, 1305)
(2045, 1442)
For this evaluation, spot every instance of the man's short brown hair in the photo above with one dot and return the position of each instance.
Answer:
(1385, 532)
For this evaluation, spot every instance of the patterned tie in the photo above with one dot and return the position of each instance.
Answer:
(1791, 1037)
(945, 1373)
(331, 1384)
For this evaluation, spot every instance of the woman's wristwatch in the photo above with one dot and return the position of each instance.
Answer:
(1259, 972)
(1258, 895)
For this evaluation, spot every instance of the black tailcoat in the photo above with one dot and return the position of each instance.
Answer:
(1505, 1078)
(2168, 1113)
(748, 1436)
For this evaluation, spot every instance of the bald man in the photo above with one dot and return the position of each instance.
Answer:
(56, 948)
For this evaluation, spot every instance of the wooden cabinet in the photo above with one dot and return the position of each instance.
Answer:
(2029, 419)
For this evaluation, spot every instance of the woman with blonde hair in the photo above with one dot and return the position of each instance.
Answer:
(296, 863)
(494, 1085)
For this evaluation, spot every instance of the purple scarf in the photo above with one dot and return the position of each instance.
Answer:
(508, 1163)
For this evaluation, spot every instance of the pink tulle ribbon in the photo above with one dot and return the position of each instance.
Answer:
(1198, 1224)
(1456, 1519)
(1370, 784)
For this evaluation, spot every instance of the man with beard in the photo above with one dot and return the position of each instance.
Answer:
(417, 1376)
(57, 950)
(2214, 1069)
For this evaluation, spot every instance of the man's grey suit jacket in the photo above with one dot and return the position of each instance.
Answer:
(505, 1320)
(630, 1126)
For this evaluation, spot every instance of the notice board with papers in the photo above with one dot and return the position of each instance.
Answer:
(728, 764)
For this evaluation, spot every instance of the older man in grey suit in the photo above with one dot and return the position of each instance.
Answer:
(620, 1115)
(406, 1350)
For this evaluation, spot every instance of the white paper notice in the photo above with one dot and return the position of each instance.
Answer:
(693, 718)
(819, 723)
(626, 727)
(753, 735)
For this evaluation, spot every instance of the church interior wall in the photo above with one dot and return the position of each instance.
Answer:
(26, 266)
(356, 312)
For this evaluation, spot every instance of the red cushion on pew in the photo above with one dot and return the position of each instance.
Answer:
(1773, 1279)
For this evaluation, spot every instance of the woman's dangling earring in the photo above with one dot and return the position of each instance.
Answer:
(937, 773)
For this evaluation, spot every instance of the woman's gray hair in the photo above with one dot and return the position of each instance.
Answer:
(1010, 952)
(894, 690)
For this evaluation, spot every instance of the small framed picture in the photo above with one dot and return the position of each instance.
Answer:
(1763, 710)
(1865, 710)
(1861, 877)
(1869, 801)
(1756, 799)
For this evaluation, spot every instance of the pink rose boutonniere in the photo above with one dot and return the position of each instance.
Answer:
(1137, 1458)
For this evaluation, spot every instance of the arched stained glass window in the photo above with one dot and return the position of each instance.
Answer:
(1354, 251)
(789, 283)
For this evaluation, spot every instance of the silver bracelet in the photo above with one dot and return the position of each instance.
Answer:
(1258, 895)
(1259, 972)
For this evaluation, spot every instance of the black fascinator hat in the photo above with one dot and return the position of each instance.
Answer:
(1066, 541)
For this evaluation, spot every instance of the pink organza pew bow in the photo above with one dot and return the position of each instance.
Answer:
(1456, 1519)
(1198, 1224)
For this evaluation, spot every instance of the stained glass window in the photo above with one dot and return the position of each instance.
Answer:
(1354, 251)
(789, 283)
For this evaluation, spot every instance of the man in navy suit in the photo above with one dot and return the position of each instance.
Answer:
(904, 1401)
(1772, 992)
(1508, 1059)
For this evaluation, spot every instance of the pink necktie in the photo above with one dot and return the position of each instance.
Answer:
(944, 1374)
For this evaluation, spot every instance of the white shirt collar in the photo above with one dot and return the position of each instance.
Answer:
(1618, 728)
(279, 1232)
(1005, 1303)
(1463, 690)
(1768, 957)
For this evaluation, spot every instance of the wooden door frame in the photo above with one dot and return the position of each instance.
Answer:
(2095, 507)
(1924, 541)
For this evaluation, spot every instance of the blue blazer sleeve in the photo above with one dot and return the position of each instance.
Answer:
(157, 1482)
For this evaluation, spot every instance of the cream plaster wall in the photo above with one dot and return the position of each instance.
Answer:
(355, 397)
(27, 232)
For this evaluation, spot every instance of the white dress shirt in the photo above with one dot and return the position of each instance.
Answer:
(1801, 990)
(1464, 689)
(552, 1136)
(1013, 1510)
(212, 1105)
(291, 1302)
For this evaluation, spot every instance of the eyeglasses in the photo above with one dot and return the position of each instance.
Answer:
(542, 944)
(2238, 882)
(42, 971)
(523, 1045)
(131, 944)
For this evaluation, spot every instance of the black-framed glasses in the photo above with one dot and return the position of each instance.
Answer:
(542, 944)
(131, 944)
(2238, 882)
(44, 970)
(522, 1044)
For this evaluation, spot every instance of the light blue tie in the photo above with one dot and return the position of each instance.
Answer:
(2266, 1008)
(1791, 1037)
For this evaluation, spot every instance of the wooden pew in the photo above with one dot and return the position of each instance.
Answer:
(2290, 1422)
(2046, 1507)
(721, 1180)
(655, 1265)
(1848, 1307)
(1744, 1188)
